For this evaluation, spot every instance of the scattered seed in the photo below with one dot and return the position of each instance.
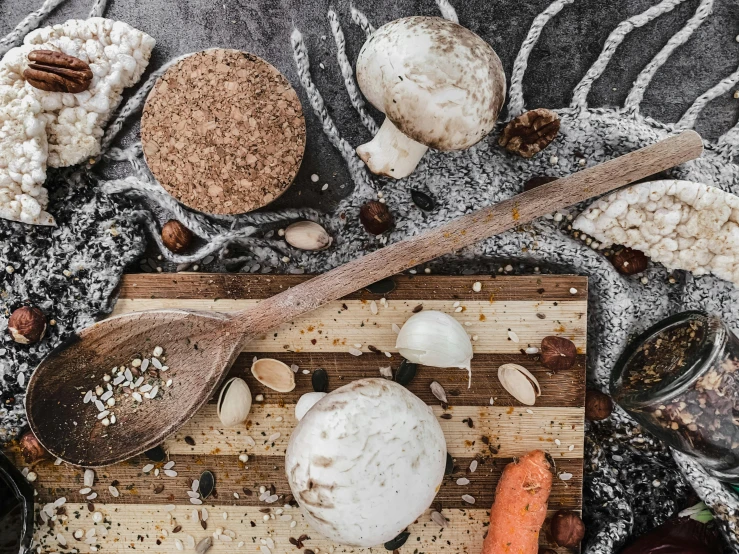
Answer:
(170, 473)
(406, 372)
(381, 287)
(398, 541)
(206, 484)
(473, 466)
(147, 468)
(196, 501)
(439, 519)
(449, 468)
(477, 286)
(113, 491)
(469, 499)
(204, 545)
(422, 200)
(373, 307)
(319, 380)
(463, 481)
(438, 391)
(156, 454)
(355, 352)
(513, 336)
(158, 489)
(417, 309)
(565, 476)
(189, 440)
(168, 465)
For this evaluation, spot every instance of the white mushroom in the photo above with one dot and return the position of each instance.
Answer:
(680, 224)
(439, 84)
(365, 462)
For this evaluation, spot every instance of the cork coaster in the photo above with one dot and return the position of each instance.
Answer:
(223, 132)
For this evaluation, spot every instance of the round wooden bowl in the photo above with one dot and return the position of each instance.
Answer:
(223, 132)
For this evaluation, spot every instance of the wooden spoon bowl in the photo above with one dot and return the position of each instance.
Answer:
(70, 429)
(200, 347)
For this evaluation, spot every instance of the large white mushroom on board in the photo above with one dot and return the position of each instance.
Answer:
(365, 462)
(439, 85)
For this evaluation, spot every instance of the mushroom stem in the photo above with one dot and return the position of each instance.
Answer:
(391, 153)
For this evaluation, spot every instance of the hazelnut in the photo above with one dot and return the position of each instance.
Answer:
(376, 217)
(176, 236)
(567, 529)
(537, 181)
(31, 448)
(557, 353)
(629, 262)
(598, 405)
(27, 325)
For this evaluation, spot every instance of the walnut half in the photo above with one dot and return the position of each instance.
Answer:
(530, 132)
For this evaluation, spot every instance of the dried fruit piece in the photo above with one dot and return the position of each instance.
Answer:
(519, 382)
(375, 217)
(57, 72)
(31, 448)
(558, 353)
(537, 181)
(598, 406)
(567, 529)
(274, 374)
(319, 380)
(176, 236)
(530, 132)
(629, 262)
(27, 325)
(422, 200)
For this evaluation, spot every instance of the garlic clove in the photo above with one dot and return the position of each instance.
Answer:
(435, 339)
(274, 374)
(519, 382)
(306, 402)
(234, 402)
(307, 235)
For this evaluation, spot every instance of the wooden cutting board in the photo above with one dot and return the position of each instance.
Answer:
(483, 423)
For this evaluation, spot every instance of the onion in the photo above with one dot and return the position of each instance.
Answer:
(435, 339)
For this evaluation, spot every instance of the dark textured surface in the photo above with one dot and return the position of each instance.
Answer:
(568, 46)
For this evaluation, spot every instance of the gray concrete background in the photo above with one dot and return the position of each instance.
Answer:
(567, 48)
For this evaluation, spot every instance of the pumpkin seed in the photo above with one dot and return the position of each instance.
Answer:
(320, 380)
(398, 541)
(422, 200)
(406, 372)
(156, 454)
(381, 287)
(206, 484)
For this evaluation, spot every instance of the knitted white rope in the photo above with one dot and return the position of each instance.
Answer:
(617, 36)
(636, 94)
(348, 73)
(361, 20)
(356, 167)
(687, 121)
(124, 154)
(447, 10)
(515, 91)
(32, 20)
(98, 8)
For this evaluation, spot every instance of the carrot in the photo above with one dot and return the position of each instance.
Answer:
(520, 506)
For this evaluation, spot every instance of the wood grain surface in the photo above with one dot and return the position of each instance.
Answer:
(150, 507)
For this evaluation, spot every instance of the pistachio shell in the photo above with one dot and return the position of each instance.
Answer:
(519, 382)
(234, 402)
(274, 374)
(307, 235)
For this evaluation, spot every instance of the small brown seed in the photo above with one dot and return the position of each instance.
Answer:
(176, 236)
(558, 353)
(375, 217)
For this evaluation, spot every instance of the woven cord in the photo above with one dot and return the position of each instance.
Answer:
(31, 21)
(688, 119)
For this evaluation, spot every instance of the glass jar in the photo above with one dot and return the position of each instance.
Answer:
(16, 509)
(679, 379)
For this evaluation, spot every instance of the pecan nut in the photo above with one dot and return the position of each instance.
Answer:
(530, 132)
(57, 72)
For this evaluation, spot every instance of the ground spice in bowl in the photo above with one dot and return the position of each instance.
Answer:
(679, 379)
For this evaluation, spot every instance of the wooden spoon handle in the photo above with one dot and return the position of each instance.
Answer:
(467, 230)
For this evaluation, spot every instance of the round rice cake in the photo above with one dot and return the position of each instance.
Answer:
(223, 132)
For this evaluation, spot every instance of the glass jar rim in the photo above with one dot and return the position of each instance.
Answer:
(713, 344)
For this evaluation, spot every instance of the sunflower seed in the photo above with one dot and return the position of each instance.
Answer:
(206, 484)
(204, 545)
(439, 519)
(406, 372)
(422, 200)
(381, 287)
(156, 454)
(398, 541)
(319, 380)
(438, 391)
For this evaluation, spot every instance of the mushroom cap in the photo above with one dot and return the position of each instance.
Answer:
(365, 462)
(438, 82)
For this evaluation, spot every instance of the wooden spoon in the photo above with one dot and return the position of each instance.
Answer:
(200, 347)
